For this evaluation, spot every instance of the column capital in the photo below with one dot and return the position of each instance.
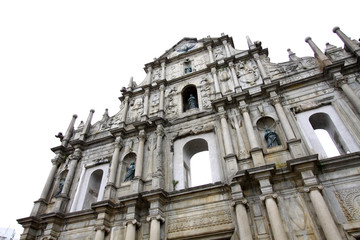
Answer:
(242, 201)
(213, 70)
(147, 91)
(76, 155)
(275, 100)
(162, 87)
(209, 47)
(231, 64)
(118, 143)
(267, 196)
(102, 228)
(339, 79)
(157, 217)
(315, 187)
(163, 64)
(244, 108)
(133, 222)
(142, 135)
(160, 130)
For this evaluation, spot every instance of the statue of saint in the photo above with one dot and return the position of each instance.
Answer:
(192, 102)
(130, 172)
(188, 69)
(271, 138)
(61, 186)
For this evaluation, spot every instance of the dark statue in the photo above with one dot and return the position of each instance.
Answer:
(271, 138)
(130, 172)
(192, 102)
(188, 69)
(61, 186)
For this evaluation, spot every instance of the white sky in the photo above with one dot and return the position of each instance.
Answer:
(58, 58)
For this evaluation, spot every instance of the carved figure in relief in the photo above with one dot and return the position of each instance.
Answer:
(174, 71)
(130, 172)
(137, 107)
(156, 75)
(205, 93)
(271, 138)
(224, 77)
(247, 72)
(171, 106)
(155, 103)
(200, 63)
(219, 53)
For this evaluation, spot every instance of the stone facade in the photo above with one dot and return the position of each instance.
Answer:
(128, 176)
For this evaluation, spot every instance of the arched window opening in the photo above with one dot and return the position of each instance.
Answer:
(324, 122)
(200, 169)
(327, 143)
(189, 98)
(92, 192)
(197, 169)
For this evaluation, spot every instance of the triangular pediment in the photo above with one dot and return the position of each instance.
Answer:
(183, 46)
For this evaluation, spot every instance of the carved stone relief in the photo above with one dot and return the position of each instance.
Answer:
(200, 62)
(224, 76)
(136, 109)
(155, 101)
(205, 93)
(156, 75)
(349, 200)
(247, 72)
(219, 53)
(205, 220)
(174, 71)
(171, 106)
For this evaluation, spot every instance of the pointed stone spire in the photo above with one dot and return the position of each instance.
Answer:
(250, 43)
(292, 56)
(105, 116)
(87, 125)
(349, 44)
(323, 59)
(69, 131)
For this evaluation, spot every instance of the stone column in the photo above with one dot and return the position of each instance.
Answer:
(318, 53)
(350, 94)
(162, 98)
(163, 73)
(275, 219)
(235, 79)
(140, 155)
(69, 132)
(146, 103)
(157, 181)
(125, 110)
(226, 135)
(131, 230)
(216, 82)
(243, 220)
(87, 125)
(227, 50)
(263, 73)
(155, 223)
(115, 160)
(322, 212)
(99, 235)
(239, 136)
(249, 128)
(211, 55)
(74, 158)
(354, 48)
(283, 119)
(56, 162)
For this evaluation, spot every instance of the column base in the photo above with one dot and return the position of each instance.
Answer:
(110, 192)
(136, 185)
(39, 207)
(296, 149)
(61, 203)
(257, 157)
(231, 164)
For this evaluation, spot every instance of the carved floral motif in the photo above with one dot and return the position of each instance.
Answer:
(349, 200)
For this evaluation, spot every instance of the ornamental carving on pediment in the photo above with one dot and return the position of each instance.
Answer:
(349, 200)
(219, 53)
(205, 220)
(247, 72)
(156, 75)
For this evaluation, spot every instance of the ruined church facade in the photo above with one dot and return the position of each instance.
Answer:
(130, 177)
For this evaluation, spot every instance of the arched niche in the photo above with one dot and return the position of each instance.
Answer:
(186, 148)
(189, 93)
(130, 157)
(268, 123)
